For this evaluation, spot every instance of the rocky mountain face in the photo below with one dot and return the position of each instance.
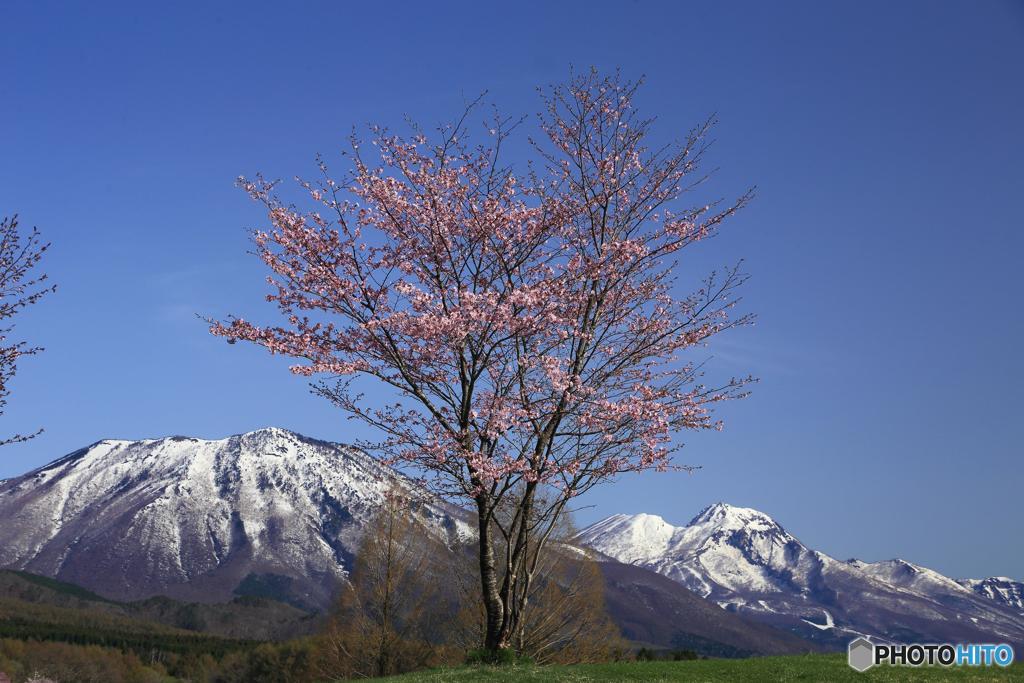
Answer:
(1002, 589)
(746, 562)
(269, 513)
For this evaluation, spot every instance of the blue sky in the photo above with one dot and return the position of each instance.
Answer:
(884, 246)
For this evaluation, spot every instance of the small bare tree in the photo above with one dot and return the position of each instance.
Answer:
(568, 623)
(19, 288)
(382, 624)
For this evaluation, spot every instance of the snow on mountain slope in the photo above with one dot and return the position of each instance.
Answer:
(1001, 589)
(632, 538)
(723, 550)
(910, 576)
(194, 519)
(745, 561)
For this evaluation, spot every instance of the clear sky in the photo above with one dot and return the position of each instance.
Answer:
(885, 245)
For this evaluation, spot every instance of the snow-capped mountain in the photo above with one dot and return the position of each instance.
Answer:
(745, 561)
(1002, 589)
(273, 512)
(723, 551)
(267, 511)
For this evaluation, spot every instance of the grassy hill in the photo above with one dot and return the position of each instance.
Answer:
(830, 668)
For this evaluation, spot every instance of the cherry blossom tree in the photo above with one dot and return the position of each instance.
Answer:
(529, 323)
(19, 288)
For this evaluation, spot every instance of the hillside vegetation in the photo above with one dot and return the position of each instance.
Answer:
(27, 599)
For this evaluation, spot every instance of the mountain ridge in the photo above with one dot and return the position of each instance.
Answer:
(272, 512)
(230, 509)
(745, 561)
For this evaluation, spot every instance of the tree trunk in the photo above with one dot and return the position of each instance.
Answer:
(494, 638)
(513, 592)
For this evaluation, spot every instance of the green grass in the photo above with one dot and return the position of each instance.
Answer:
(798, 668)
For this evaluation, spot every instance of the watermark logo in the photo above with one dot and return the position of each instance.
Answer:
(862, 654)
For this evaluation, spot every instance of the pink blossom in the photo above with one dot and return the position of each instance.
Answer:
(531, 322)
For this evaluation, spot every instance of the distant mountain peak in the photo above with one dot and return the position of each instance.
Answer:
(718, 516)
(272, 432)
(745, 561)
(733, 517)
(641, 520)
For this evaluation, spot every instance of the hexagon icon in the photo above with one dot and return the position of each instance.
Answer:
(861, 654)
